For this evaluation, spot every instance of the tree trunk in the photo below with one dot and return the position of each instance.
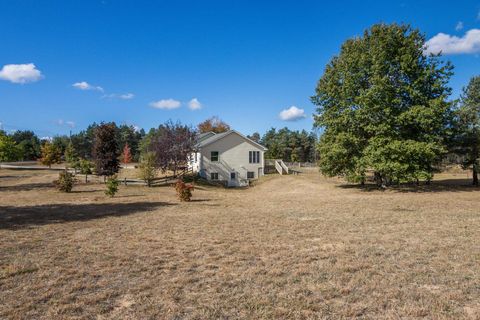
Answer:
(475, 176)
(378, 178)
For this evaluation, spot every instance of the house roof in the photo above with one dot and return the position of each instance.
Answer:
(217, 136)
(205, 135)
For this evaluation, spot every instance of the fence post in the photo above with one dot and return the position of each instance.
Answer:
(125, 181)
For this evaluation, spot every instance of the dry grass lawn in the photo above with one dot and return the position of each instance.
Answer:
(294, 247)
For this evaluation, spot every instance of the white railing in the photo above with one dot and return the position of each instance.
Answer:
(284, 166)
(281, 167)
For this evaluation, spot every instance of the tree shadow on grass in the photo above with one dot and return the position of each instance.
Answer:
(28, 216)
(447, 185)
(27, 186)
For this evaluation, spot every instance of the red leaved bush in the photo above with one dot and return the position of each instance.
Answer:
(184, 190)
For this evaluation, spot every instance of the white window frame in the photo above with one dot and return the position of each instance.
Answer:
(254, 156)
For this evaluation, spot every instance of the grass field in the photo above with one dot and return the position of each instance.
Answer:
(290, 247)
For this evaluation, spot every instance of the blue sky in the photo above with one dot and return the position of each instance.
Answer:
(244, 61)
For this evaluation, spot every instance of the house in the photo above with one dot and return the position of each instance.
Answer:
(228, 157)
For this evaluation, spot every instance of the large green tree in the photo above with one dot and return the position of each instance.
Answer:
(382, 103)
(83, 141)
(9, 150)
(29, 144)
(468, 128)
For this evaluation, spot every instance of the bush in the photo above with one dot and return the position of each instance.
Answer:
(112, 186)
(184, 190)
(65, 181)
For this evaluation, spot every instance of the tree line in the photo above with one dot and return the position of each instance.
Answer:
(382, 104)
(133, 143)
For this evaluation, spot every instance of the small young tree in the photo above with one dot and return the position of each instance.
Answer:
(105, 150)
(147, 168)
(126, 155)
(70, 155)
(65, 181)
(50, 154)
(112, 186)
(468, 120)
(85, 167)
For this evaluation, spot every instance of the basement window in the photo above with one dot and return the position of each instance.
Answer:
(250, 175)
(214, 175)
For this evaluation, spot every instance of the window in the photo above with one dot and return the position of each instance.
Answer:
(250, 175)
(254, 156)
(214, 156)
(214, 175)
(232, 175)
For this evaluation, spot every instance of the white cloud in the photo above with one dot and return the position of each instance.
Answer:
(71, 124)
(194, 104)
(292, 114)
(20, 73)
(447, 44)
(124, 96)
(459, 26)
(83, 85)
(61, 122)
(167, 104)
(127, 96)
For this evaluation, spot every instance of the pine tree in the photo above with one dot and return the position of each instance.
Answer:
(468, 118)
(105, 150)
(70, 155)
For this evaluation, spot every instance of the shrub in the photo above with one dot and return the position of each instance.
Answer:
(112, 186)
(184, 190)
(65, 181)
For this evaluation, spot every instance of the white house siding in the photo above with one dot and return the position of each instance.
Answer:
(194, 162)
(233, 157)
